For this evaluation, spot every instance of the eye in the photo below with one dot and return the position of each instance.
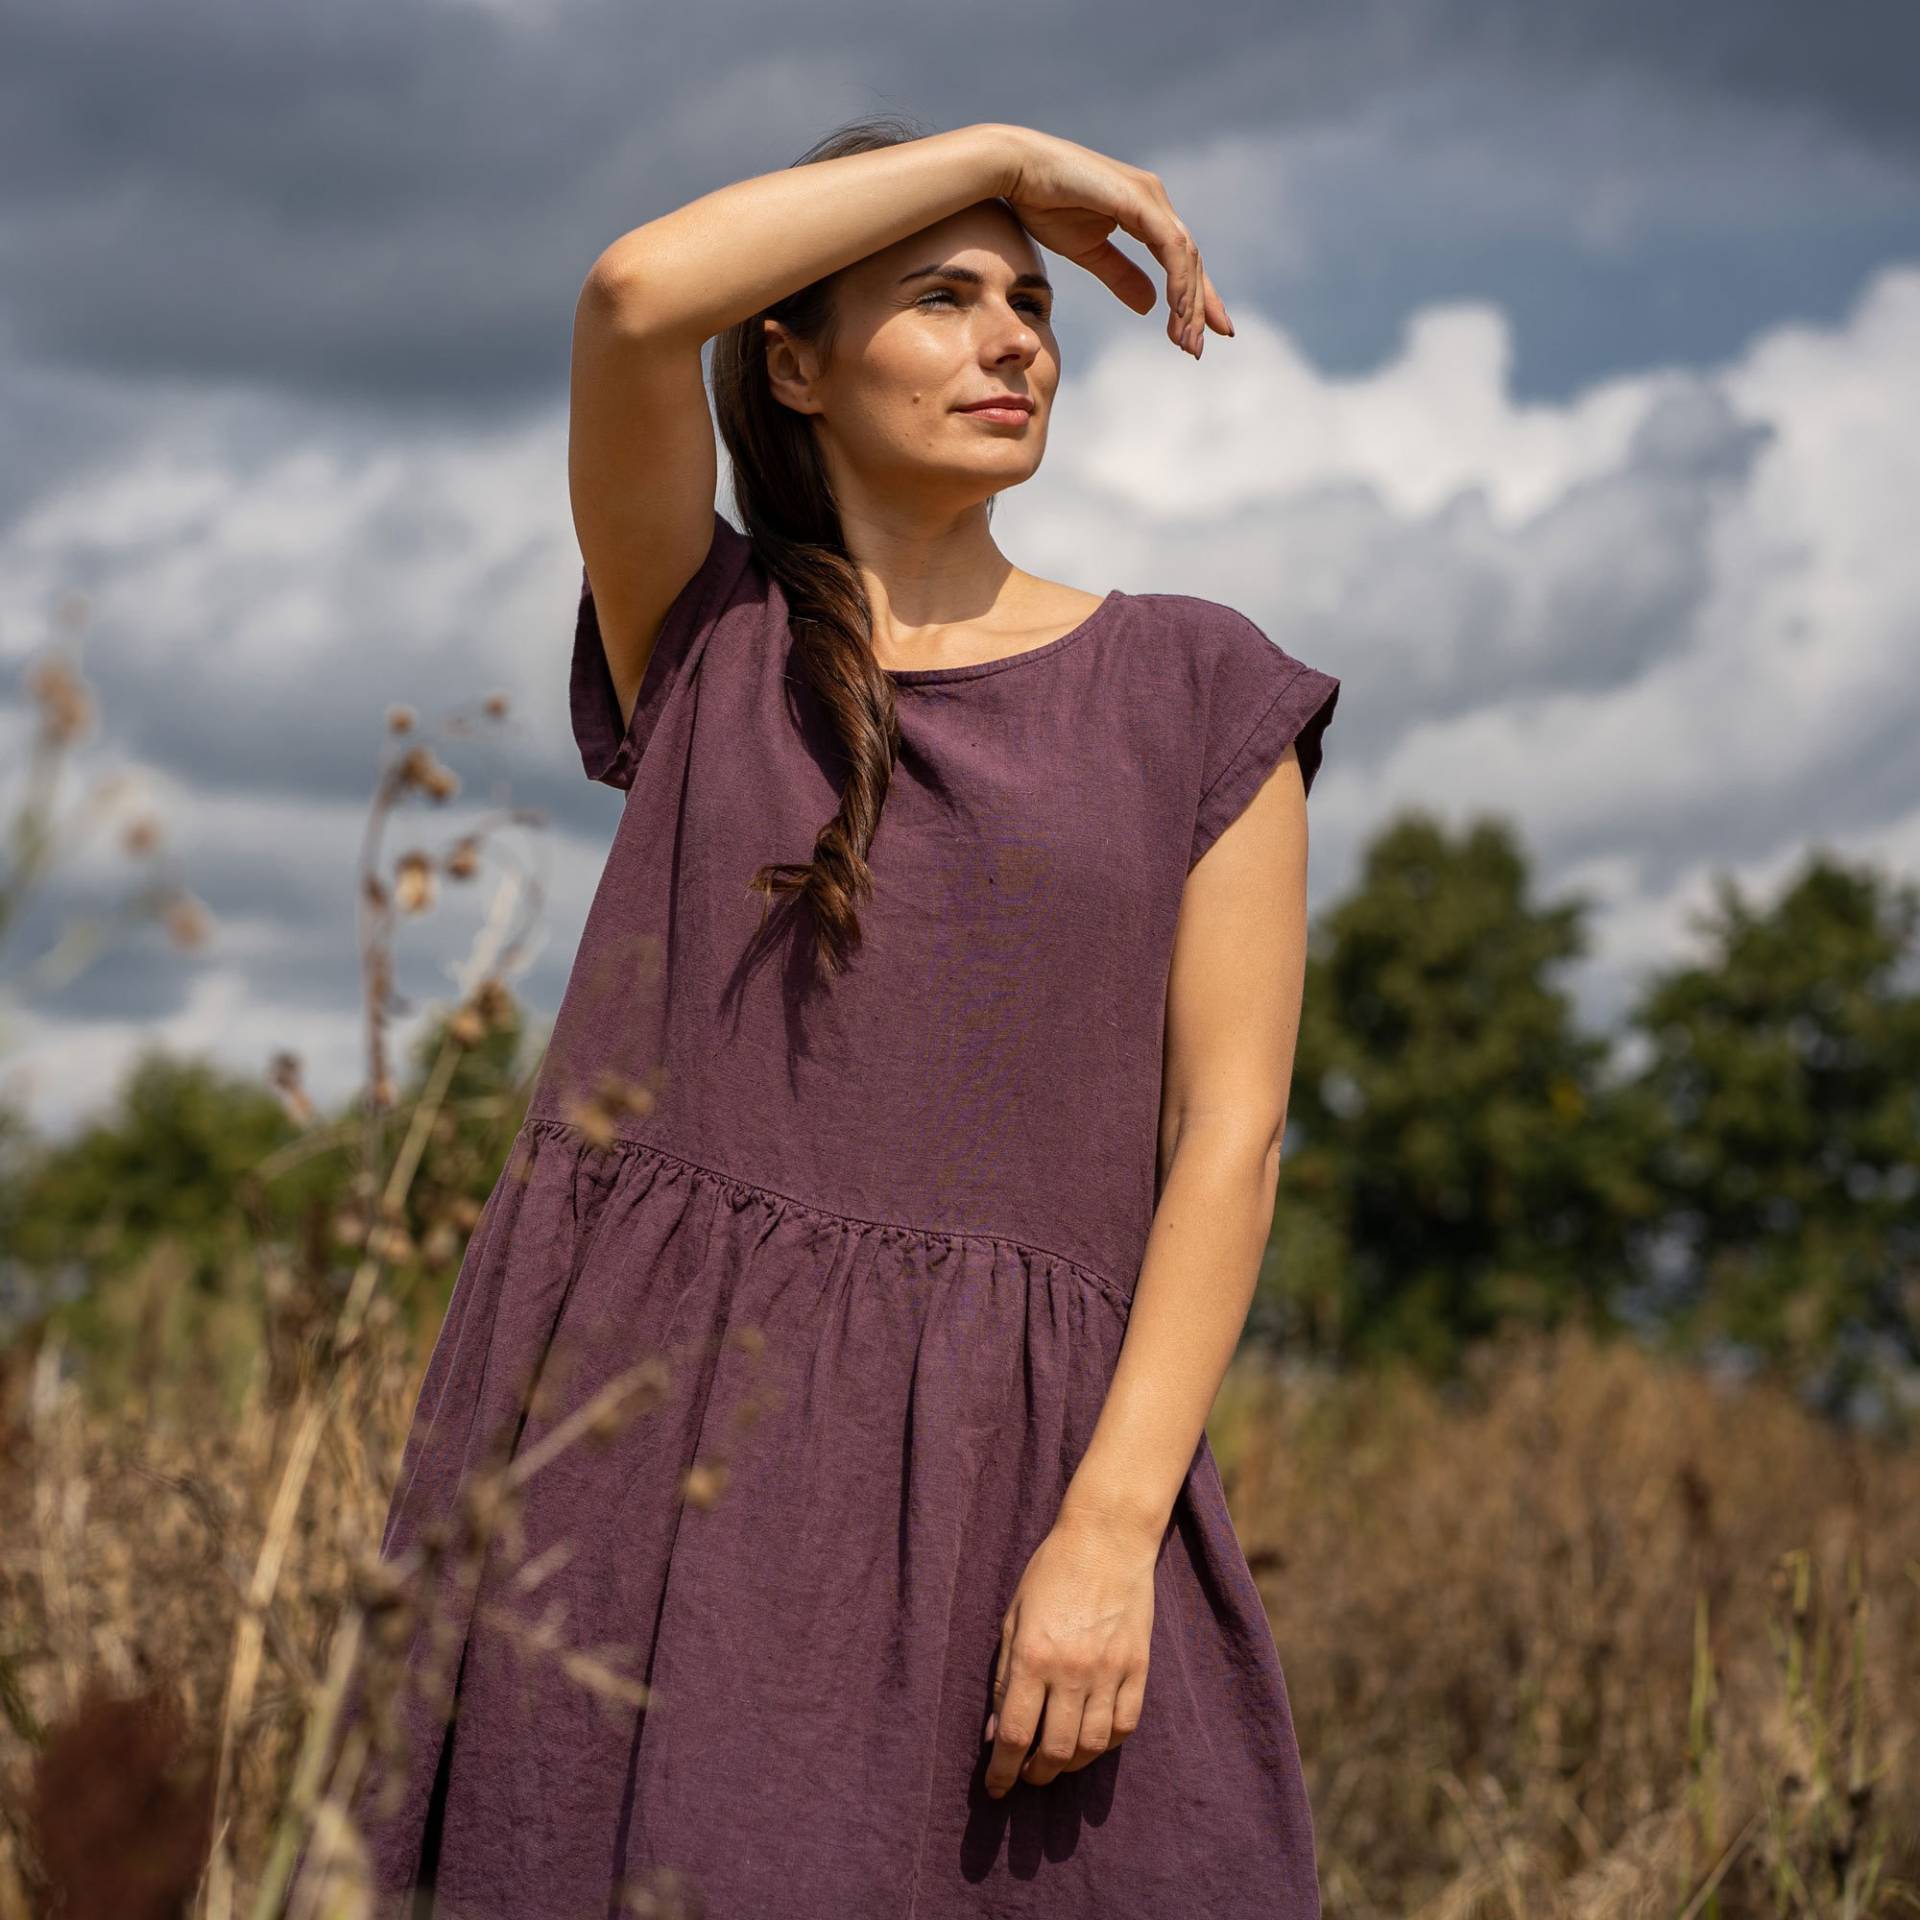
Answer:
(1032, 302)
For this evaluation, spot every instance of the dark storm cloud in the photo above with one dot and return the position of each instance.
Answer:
(399, 202)
(1852, 64)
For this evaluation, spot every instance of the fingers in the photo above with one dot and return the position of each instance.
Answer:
(1075, 1723)
(1059, 1734)
(1192, 303)
(1017, 1719)
(1096, 1724)
(1127, 1702)
(1110, 1714)
(1121, 273)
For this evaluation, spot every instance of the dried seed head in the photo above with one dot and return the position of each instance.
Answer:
(394, 1244)
(419, 768)
(413, 882)
(495, 1001)
(283, 1075)
(66, 707)
(187, 922)
(594, 1121)
(703, 1483)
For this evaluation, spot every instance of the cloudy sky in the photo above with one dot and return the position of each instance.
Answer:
(1573, 420)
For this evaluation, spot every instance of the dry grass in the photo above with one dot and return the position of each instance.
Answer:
(1571, 1649)
(1581, 1637)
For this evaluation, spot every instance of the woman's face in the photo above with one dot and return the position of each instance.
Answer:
(953, 314)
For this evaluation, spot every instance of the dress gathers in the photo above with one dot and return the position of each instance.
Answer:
(879, 1236)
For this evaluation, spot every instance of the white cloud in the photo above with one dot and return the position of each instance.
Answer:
(1667, 627)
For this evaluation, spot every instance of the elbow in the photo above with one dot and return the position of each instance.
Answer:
(619, 298)
(610, 296)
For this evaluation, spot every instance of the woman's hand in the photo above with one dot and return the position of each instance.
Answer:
(1070, 198)
(1073, 1652)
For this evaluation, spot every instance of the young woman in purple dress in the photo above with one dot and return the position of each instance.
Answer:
(967, 1078)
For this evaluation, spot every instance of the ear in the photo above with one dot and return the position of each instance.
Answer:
(792, 367)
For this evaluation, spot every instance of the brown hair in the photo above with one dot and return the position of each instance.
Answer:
(789, 514)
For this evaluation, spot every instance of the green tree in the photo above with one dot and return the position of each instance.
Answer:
(1460, 1161)
(1786, 1067)
(164, 1161)
(142, 1236)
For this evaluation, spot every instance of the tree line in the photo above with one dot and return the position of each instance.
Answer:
(1733, 1171)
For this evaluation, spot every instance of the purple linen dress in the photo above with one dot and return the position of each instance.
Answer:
(883, 1234)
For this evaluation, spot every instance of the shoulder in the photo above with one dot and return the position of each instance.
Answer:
(1213, 648)
(726, 601)
(1240, 698)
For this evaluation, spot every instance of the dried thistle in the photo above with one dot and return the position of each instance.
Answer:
(413, 882)
(66, 706)
(187, 922)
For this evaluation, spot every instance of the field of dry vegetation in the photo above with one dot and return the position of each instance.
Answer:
(1589, 1638)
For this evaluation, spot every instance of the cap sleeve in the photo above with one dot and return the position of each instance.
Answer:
(1260, 701)
(609, 751)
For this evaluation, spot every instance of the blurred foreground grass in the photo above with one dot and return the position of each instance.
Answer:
(1590, 1635)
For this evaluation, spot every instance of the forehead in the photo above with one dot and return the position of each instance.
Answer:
(986, 238)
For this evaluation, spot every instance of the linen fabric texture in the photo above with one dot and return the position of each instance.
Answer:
(877, 1237)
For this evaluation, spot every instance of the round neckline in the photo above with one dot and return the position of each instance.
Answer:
(930, 676)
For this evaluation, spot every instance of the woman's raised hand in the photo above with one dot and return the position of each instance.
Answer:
(1070, 198)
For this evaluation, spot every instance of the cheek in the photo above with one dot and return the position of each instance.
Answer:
(919, 361)
(904, 380)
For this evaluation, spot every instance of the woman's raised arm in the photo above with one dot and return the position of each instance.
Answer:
(641, 463)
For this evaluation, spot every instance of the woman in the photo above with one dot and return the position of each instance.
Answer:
(913, 1113)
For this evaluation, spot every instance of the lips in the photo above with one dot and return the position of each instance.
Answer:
(998, 402)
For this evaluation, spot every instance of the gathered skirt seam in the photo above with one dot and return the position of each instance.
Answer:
(1102, 1283)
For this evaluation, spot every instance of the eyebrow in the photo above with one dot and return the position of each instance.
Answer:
(972, 277)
